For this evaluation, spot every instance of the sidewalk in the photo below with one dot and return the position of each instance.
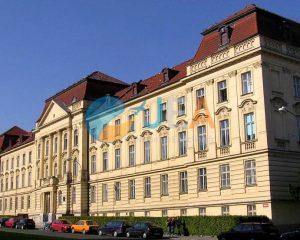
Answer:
(193, 238)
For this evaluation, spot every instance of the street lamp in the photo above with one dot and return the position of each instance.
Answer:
(283, 109)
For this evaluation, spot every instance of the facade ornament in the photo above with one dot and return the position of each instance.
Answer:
(209, 82)
(232, 73)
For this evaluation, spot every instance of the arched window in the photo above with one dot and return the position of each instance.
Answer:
(65, 141)
(60, 197)
(75, 168)
(55, 170)
(75, 138)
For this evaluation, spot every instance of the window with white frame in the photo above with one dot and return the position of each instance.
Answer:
(146, 117)
(225, 176)
(183, 182)
(132, 189)
(222, 91)
(250, 172)
(131, 155)
(249, 126)
(104, 192)
(202, 138)
(251, 210)
(146, 151)
(297, 86)
(147, 187)
(181, 105)
(164, 213)
(117, 191)
(224, 133)
(164, 185)
(246, 82)
(225, 210)
(93, 164)
(182, 143)
(163, 112)
(202, 179)
(200, 98)
(131, 122)
(93, 194)
(202, 211)
(105, 161)
(164, 148)
(117, 158)
(75, 140)
(117, 127)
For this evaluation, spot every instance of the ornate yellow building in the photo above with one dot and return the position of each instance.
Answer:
(215, 135)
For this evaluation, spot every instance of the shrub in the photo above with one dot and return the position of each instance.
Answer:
(195, 225)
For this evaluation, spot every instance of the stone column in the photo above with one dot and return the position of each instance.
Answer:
(51, 155)
(69, 152)
(59, 150)
(42, 164)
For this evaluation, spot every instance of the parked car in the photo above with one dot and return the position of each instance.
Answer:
(11, 223)
(293, 235)
(85, 226)
(2, 221)
(61, 225)
(114, 228)
(145, 230)
(25, 223)
(253, 230)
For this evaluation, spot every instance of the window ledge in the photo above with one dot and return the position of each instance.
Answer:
(247, 94)
(182, 115)
(203, 191)
(225, 188)
(183, 193)
(223, 102)
(251, 185)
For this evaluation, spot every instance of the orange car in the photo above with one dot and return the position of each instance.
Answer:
(84, 226)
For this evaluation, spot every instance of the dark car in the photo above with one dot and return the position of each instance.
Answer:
(249, 231)
(294, 235)
(145, 230)
(114, 228)
(25, 223)
(2, 221)
(11, 223)
(61, 225)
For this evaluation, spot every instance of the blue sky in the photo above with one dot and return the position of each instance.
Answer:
(46, 45)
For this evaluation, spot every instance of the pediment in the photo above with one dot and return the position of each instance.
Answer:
(54, 111)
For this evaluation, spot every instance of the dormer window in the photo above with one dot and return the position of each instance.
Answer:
(168, 74)
(137, 87)
(225, 34)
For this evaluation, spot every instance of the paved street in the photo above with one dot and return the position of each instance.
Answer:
(80, 236)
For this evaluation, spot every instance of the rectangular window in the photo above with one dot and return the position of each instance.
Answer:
(65, 141)
(225, 176)
(16, 203)
(251, 210)
(104, 193)
(131, 189)
(224, 133)
(164, 185)
(183, 182)
(147, 213)
(11, 182)
(117, 158)
(117, 191)
(202, 179)
(29, 178)
(222, 91)
(131, 122)
(146, 151)
(17, 181)
(181, 106)
(23, 180)
(131, 155)
(202, 212)
(11, 203)
(164, 213)
(249, 126)
(105, 161)
(225, 210)
(12, 162)
(250, 172)
(246, 82)
(30, 157)
(297, 86)
(201, 138)
(22, 202)
(28, 202)
(0, 204)
(147, 187)
(93, 194)
(183, 212)
(1, 186)
(200, 98)
(93, 164)
(24, 159)
(6, 184)
(163, 112)
(117, 127)
(73, 195)
(146, 117)
(105, 131)
(5, 204)
(6, 165)
(182, 143)
(93, 135)
(164, 148)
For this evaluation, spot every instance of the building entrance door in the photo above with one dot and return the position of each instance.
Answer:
(46, 206)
